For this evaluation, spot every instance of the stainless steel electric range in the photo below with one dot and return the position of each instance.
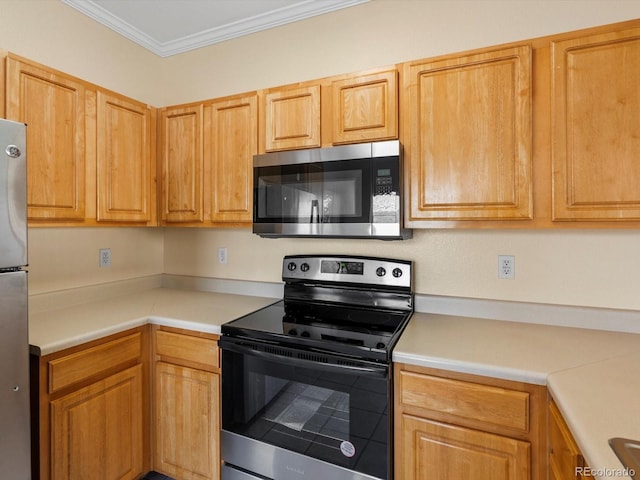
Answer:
(306, 381)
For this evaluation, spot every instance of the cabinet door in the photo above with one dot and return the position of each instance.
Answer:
(124, 151)
(97, 432)
(53, 107)
(182, 164)
(365, 108)
(292, 118)
(437, 451)
(187, 422)
(233, 143)
(596, 127)
(470, 134)
(565, 460)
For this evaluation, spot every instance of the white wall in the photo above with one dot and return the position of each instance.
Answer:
(593, 268)
(375, 34)
(581, 267)
(49, 32)
(557, 267)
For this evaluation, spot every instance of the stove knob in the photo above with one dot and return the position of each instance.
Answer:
(305, 334)
(291, 267)
(293, 332)
(397, 272)
(380, 345)
(304, 267)
(381, 272)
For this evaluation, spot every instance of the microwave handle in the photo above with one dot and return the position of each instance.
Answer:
(372, 371)
(315, 212)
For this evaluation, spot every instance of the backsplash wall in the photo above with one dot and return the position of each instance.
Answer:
(596, 268)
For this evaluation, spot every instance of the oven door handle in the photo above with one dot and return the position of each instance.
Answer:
(373, 371)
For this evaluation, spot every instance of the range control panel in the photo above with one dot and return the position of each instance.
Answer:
(348, 269)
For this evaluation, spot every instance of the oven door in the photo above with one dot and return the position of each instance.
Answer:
(288, 413)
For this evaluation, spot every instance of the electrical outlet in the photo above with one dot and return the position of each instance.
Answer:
(506, 266)
(105, 257)
(222, 255)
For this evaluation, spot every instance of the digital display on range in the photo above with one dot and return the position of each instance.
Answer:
(348, 268)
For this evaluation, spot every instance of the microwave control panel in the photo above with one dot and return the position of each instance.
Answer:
(384, 182)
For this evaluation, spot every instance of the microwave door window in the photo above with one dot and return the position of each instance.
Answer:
(342, 197)
(288, 198)
(330, 192)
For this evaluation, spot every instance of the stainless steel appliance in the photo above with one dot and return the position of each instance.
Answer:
(306, 381)
(346, 191)
(15, 455)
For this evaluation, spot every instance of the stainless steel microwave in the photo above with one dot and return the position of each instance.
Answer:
(346, 191)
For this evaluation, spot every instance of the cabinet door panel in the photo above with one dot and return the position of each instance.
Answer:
(493, 406)
(234, 142)
(187, 422)
(97, 432)
(438, 451)
(470, 139)
(182, 164)
(596, 127)
(124, 160)
(365, 108)
(53, 107)
(292, 118)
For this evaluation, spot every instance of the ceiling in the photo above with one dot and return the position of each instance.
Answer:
(168, 27)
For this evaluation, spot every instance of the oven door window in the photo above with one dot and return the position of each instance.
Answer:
(328, 192)
(329, 413)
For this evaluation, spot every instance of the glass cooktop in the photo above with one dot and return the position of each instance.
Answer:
(362, 332)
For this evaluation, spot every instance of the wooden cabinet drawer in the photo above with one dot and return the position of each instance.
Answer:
(492, 406)
(189, 348)
(75, 368)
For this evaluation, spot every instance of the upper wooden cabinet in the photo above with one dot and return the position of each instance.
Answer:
(52, 105)
(125, 164)
(232, 141)
(182, 163)
(291, 117)
(206, 156)
(364, 108)
(596, 127)
(91, 151)
(468, 137)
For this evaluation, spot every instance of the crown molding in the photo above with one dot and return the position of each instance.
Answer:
(295, 12)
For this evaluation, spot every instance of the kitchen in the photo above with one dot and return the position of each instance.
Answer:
(556, 267)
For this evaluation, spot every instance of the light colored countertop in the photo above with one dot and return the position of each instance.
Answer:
(590, 373)
(54, 330)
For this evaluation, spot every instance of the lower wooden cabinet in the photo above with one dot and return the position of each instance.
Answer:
(97, 431)
(186, 405)
(565, 460)
(92, 419)
(450, 425)
(435, 450)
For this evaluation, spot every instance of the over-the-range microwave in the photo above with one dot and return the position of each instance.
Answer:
(352, 191)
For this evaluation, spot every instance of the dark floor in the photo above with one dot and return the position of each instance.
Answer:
(155, 476)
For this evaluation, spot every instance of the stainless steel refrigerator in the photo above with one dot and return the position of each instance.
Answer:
(15, 447)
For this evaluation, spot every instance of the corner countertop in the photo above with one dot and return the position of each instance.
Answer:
(57, 329)
(589, 373)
